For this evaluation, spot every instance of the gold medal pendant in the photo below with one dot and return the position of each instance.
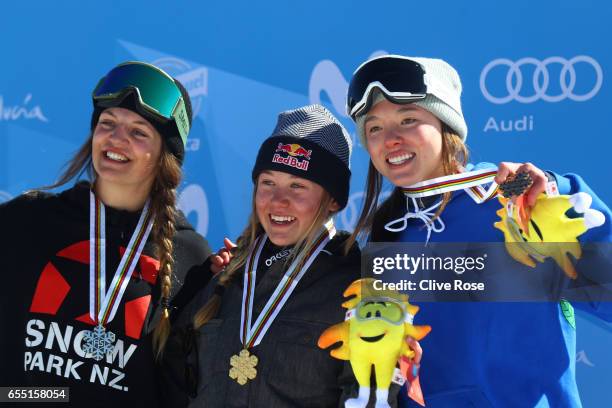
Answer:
(242, 367)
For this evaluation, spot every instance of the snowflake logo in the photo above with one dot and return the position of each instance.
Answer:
(98, 342)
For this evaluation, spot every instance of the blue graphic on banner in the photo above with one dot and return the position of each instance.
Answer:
(534, 77)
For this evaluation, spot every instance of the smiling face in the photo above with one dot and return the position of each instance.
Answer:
(287, 206)
(377, 318)
(377, 328)
(125, 149)
(404, 142)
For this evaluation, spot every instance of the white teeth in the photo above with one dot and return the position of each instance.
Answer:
(281, 218)
(401, 158)
(116, 156)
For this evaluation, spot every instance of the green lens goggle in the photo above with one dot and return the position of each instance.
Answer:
(156, 91)
(385, 308)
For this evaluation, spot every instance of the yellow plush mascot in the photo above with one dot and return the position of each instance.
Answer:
(545, 230)
(373, 335)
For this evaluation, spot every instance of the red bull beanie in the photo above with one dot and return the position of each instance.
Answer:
(309, 142)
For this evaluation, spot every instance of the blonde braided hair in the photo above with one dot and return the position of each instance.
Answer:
(163, 208)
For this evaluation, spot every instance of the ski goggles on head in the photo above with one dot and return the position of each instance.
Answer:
(156, 91)
(402, 80)
(385, 308)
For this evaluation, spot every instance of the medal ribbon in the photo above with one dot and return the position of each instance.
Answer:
(251, 335)
(470, 181)
(102, 304)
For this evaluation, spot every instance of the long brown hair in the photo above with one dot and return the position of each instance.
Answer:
(373, 217)
(163, 209)
(243, 248)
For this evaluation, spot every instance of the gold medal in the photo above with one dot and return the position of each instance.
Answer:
(242, 367)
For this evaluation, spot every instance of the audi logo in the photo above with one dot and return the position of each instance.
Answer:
(541, 79)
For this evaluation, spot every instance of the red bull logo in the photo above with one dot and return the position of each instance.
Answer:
(293, 151)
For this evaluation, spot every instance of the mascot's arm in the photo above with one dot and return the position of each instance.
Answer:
(596, 261)
(334, 334)
(572, 184)
(416, 332)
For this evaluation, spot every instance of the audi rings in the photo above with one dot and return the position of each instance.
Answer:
(541, 79)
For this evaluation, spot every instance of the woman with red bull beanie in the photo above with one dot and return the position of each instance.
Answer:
(92, 273)
(255, 343)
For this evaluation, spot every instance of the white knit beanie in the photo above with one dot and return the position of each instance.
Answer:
(443, 96)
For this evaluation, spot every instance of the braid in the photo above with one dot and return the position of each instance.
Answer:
(163, 207)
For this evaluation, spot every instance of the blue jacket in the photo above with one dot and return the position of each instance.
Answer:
(499, 354)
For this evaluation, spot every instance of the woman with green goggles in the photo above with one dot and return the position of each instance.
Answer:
(95, 270)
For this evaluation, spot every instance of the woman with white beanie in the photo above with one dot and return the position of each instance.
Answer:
(409, 118)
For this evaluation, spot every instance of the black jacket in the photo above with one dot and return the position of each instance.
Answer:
(292, 371)
(44, 253)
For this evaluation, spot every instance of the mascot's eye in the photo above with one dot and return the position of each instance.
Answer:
(368, 315)
(378, 313)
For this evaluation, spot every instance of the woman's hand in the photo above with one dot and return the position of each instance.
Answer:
(222, 258)
(507, 169)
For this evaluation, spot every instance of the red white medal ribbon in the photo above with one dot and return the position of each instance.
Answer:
(103, 304)
(472, 182)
